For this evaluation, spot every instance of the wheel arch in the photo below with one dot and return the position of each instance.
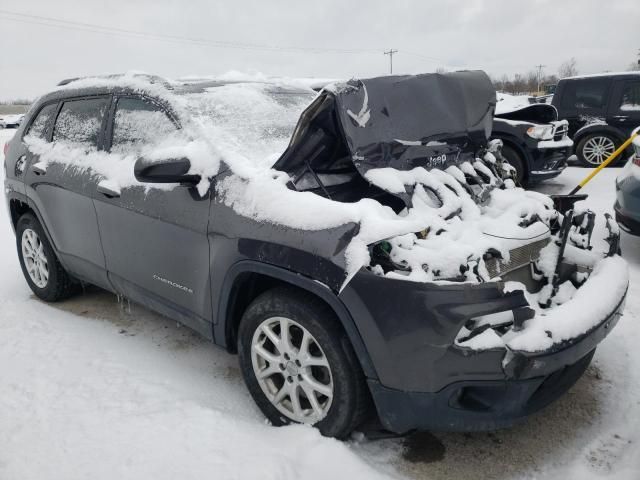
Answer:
(247, 279)
(513, 143)
(20, 204)
(597, 128)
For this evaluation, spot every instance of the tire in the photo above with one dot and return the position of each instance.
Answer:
(337, 414)
(594, 148)
(516, 161)
(58, 284)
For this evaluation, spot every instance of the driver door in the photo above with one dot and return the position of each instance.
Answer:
(154, 239)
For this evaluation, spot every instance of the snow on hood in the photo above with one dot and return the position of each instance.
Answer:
(523, 108)
(508, 103)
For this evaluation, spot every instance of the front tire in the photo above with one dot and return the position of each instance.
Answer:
(298, 363)
(516, 161)
(42, 270)
(595, 148)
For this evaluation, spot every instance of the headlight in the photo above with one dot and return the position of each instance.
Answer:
(541, 132)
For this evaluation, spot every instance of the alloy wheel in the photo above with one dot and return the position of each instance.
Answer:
(597, 149)
(292, 370)
(34, 257)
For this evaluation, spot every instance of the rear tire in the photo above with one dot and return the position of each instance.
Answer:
(341, 403)
(516, 161)
(595, 148)
(42, 270)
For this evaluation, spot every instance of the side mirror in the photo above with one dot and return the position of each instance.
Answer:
(171, 170)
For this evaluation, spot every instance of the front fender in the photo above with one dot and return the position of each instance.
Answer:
(310, 285)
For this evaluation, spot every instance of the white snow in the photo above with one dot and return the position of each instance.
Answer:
(565, 142)
(509, 103)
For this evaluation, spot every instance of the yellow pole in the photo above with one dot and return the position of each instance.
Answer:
(611, 158)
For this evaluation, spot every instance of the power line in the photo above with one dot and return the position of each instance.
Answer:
(95, 28)
(61, 23)
(390, 53)
(539, 67)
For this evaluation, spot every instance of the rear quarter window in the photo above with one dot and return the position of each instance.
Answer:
(586, 94)
(630, 101)
(80, 121)
(40, 125)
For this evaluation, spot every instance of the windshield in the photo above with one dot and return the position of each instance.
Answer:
(250, 120)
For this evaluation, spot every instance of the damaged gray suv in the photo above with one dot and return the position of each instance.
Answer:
(363, 249)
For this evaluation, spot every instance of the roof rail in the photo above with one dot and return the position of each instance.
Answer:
(114, 76)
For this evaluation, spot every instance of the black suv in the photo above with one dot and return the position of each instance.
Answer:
(535, 143)
(366, 268)
(602, 110)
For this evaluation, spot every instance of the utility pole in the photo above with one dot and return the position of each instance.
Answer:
(390, 53)
(539, 67)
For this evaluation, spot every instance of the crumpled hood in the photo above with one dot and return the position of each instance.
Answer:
(402, 122)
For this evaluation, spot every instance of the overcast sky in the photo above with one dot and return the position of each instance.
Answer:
(499, 36)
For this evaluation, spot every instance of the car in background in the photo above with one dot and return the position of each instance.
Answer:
(627, 206)
(601, 109)
(11, 121)
(535, 143)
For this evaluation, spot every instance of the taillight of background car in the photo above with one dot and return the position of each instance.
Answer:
(5, 149)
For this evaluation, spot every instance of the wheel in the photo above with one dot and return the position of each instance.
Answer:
(299, 365)
(516, 161)
(595, 148)
(40, 266)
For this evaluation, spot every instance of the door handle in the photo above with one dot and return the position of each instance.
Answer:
(108, 189)
(622, 118)
(39, 168)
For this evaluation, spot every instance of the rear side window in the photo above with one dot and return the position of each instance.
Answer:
(80, 121)
(586, 94)
(630, 97)
(139, 123)
(40, 124)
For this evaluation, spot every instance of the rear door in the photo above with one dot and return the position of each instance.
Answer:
(38, 129)
(584, 101)
(155, 237)
(61, 185)
(624, 112)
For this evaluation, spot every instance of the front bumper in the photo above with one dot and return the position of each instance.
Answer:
(427, 382)
(548, 162)
(473, 406)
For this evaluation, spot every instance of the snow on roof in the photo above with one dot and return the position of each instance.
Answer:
(602, 74)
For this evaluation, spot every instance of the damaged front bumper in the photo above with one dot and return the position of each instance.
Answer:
(428, 380)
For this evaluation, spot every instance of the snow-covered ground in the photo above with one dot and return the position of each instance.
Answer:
(94, 388)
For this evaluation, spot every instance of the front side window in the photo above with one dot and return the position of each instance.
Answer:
(630, 100)
(587, 94)
(139, 123)
(79, 121)
(39, 125)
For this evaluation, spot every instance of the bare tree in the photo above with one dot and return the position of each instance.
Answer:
(568, 68)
